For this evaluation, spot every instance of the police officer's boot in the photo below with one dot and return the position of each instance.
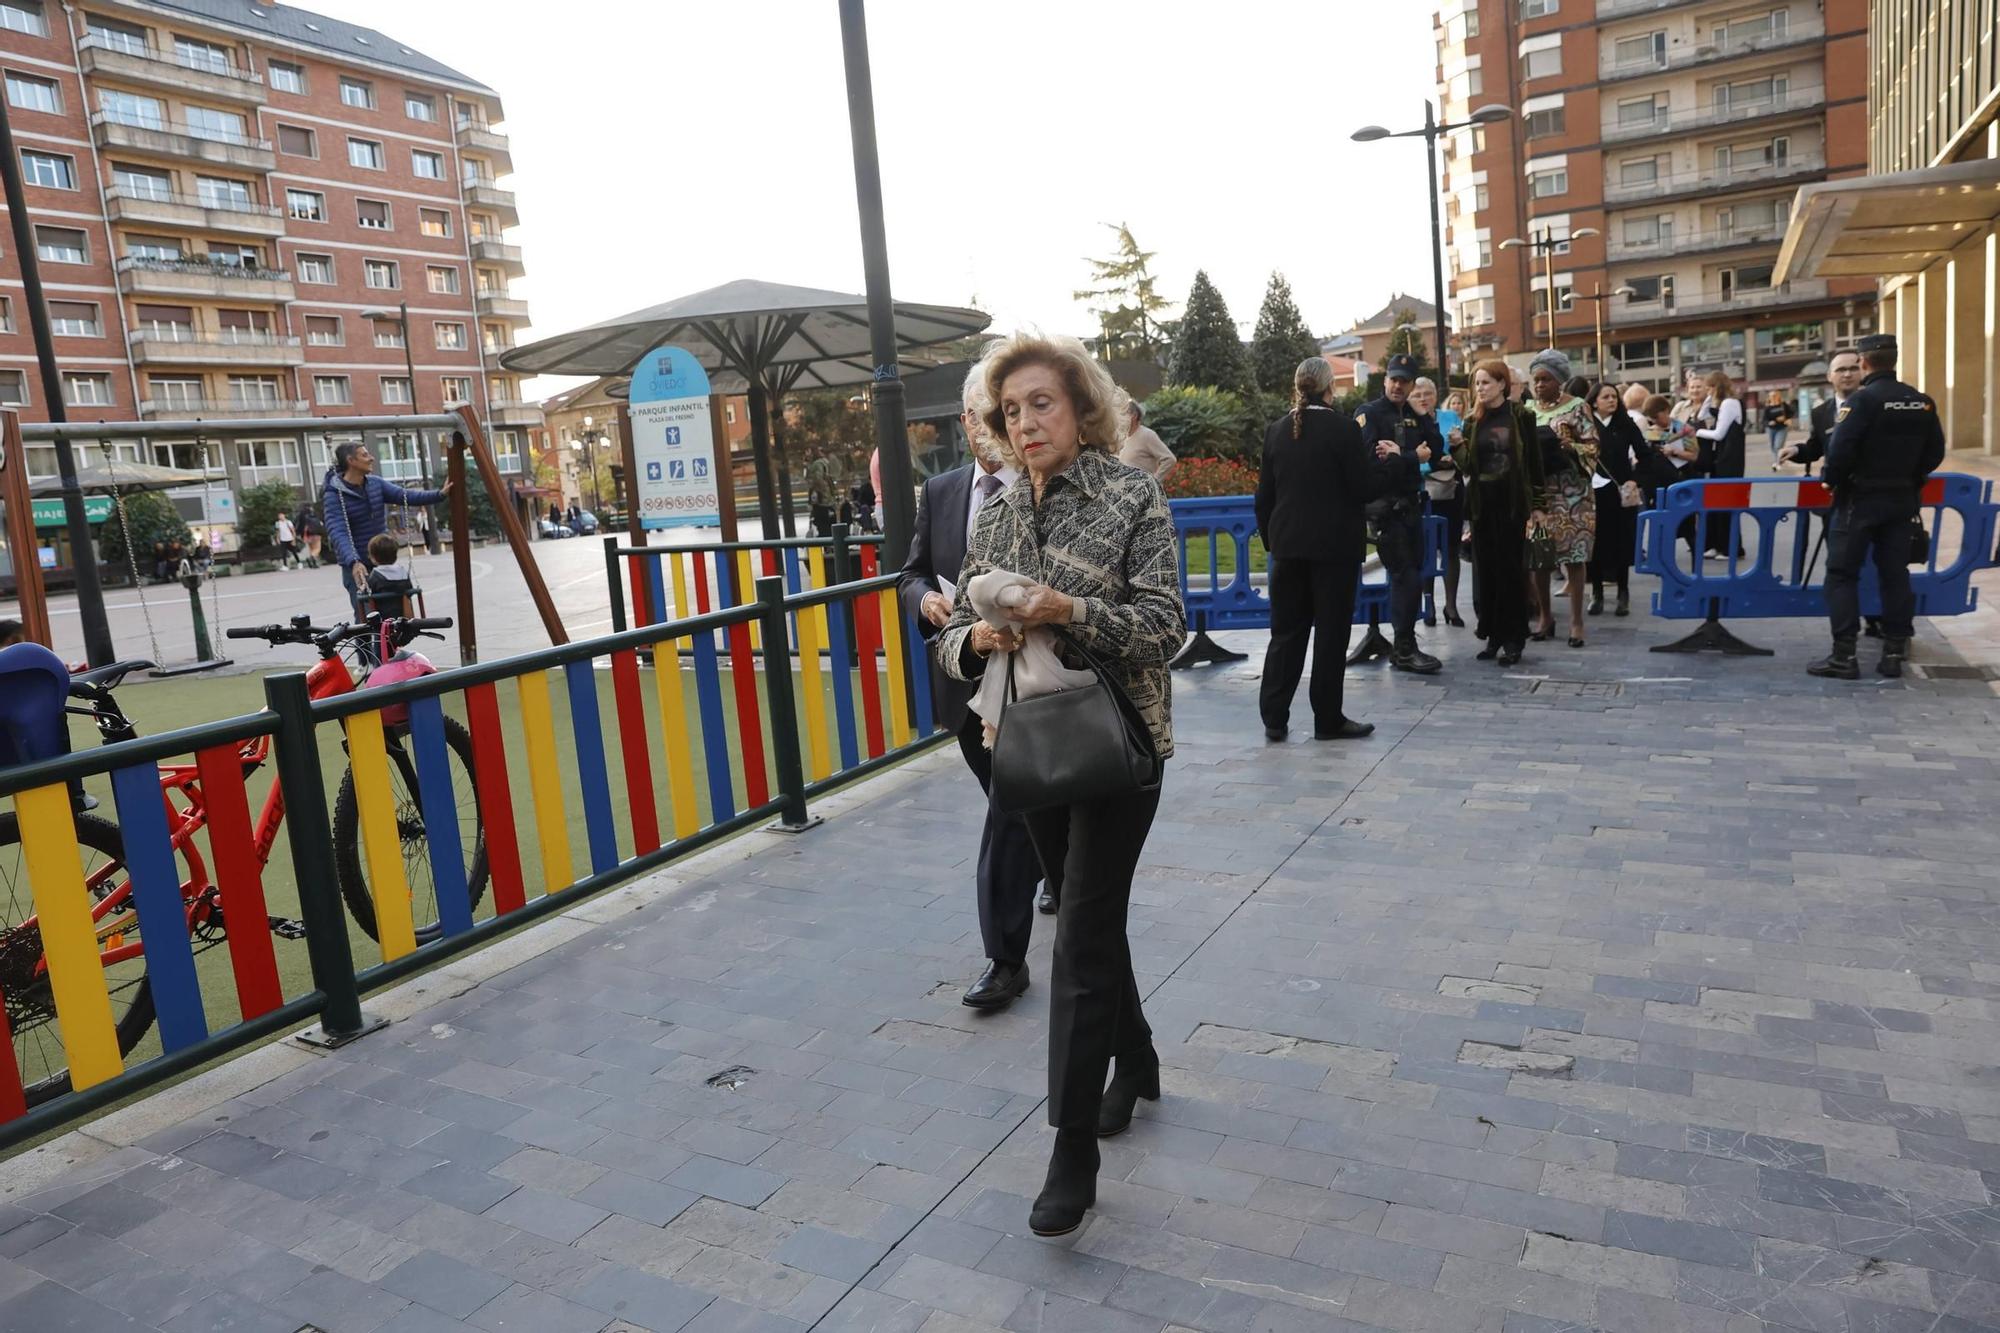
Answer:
(1406, 656)
(1893, 653)
(1840, 664)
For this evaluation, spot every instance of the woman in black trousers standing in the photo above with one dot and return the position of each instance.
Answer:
(1499, 456)
(1099, 538)
(1620, 449)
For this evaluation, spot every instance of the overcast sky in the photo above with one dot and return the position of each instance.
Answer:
(661, 148)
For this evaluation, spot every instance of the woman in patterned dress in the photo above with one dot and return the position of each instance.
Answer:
(1561, 529)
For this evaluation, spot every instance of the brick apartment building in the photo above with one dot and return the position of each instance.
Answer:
(231, 200)
(1678, 131)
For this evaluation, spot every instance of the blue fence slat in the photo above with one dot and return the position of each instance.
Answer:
(440, 807)
(581, 677)
(156, 892)
(656, 588)
(714, 740)
(843, 681)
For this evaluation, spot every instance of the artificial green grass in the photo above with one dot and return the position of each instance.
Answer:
(1196, 550)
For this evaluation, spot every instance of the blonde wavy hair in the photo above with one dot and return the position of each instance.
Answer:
(1092, 394)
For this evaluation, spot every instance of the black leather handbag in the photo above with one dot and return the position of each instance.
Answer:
(1085, 744)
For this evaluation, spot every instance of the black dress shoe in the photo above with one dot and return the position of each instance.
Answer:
(998, 986)
(1489, 652)
(1510, 654)
(1275, 733)
(1596, 607)
(1071, 1186)
(1046, 903)
(1138, 1076)
(1348, 730)
(1624, 607)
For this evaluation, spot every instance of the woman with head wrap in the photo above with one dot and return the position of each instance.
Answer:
(1565, 519)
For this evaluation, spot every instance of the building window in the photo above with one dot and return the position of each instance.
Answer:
(1762, 217)
(1736, 159)
(357, 93)
(1756, 30)
(76, 319)
(1751, 95)
(1748, 278)
(267, 460)
(306, 205)
(153, 247)
(1565, 298)
(427, 166)
(365, 153)
(1647, 232)
(1543, 184)
(174, 393)
(433, 222)
(141, 182)
(1542, 64)
(14, 389)
(286, 77)
(371, 214)
(116, 36)
(314, 268)
(457, 389)
(1791, 340)
(297, 141)
(1549, 121)
(1644, 354)
(1475, 81)
(123, 108)
(395, 391)
(1648, 48)
(494, 338)
(325, 331)
(24, 16)
(1535, 9)
(204, 122)
(221, 192)
(1479, 311)
(244, 326)
(333, 391)
(1639, 113)
(419, 107)
(1639, 171)
(1657, 287)
(388, 333)
(1848, 332)
(507, 450)
(381, 273)
(443, 281)
(168, 323)
(1462, 26)
(450, 337)
(6, 314)
(51, 171)
(253, 390)
(1723, 348)
(86, 390)
(61, 245)
(32, 94)
(204, 56)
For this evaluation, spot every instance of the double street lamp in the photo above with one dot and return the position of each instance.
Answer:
(586, 444)
(1544, 242)
(1597, 298)
(400, 317)
(1431, 130)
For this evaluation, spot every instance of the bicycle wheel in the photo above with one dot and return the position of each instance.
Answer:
(24, 979)
(349, 866)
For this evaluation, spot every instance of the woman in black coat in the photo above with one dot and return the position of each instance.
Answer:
(1621, 454)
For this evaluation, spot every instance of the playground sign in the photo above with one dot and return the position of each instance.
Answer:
(673, 442)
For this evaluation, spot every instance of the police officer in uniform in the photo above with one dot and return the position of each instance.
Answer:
(1400, 435)
(1886, 441)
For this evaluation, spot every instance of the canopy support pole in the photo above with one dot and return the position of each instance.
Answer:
(760, 453)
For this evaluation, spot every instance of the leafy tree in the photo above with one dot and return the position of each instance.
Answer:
(258, 508)
(1123, 298)
(1282, 339)
(480, 515)
(152, 518)
(1406, 337)
(1206, 422)
(1206, 349)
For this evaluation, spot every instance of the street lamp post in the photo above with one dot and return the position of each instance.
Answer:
(1433, 129)
(587, 443)
(1543, 241)
(1597, 298)
(400, 316)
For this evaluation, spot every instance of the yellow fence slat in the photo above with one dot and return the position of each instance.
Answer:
(381, 843)
(899, 669)
(816, 565)
(674, 734)
(746, 592)
(812, 637)
(545, 781)
(69, 936)
(682, 607)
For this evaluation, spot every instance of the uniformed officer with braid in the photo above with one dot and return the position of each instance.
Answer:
(1397, 431)
(1885, 443)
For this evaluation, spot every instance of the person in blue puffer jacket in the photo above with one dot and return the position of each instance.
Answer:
(355, 504)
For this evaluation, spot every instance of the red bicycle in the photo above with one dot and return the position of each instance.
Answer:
(24, 979)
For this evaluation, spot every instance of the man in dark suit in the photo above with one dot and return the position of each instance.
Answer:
(1008, 867)
(1312, 497)
(1844, 373)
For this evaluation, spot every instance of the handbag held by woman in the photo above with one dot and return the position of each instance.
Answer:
(1085, 744)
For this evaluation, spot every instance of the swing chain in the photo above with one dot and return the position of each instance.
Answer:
(131, 555)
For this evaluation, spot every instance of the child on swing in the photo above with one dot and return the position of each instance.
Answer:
(389, 585)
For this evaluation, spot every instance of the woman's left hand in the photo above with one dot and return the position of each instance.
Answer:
(1046, 606)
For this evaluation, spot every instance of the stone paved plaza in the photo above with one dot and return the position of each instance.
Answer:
(1620, 992)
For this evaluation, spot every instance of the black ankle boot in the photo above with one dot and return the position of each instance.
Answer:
(1071, 1187)
(1138, 1076)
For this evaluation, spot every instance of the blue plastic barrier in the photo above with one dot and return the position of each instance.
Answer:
(1223, 601)
(1761, 585)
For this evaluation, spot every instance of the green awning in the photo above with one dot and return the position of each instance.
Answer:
(49, 513)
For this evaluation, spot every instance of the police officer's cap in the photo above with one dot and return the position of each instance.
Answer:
(1877, 342)
(1401, 367)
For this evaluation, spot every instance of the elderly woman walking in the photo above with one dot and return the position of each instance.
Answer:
(1099, 538)
(1565, 518)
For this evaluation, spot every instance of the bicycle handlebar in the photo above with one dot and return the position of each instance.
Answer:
(329, 638)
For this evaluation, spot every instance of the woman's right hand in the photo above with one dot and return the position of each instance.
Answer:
(987, 640)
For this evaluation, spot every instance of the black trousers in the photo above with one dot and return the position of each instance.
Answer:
(1617, 530)
(1089, 853)
(1008, 868)
(822, 520)
(1452, 511)
(1500, 565)
(1309, 599)
(1877, 524)
(1399, 540)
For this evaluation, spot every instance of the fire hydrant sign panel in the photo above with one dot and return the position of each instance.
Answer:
(673, 443)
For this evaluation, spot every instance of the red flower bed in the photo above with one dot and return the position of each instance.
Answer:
(1193, 477)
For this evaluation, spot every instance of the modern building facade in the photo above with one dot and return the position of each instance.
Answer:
(245, 210)
(1922, 222)
(1647, 179)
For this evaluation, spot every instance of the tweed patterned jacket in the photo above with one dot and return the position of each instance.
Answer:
(1107, 539)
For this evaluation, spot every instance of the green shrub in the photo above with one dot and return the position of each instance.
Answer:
(152, 518)
(258, 506)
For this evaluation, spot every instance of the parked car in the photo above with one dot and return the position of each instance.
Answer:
(549, 531)
(584, 523)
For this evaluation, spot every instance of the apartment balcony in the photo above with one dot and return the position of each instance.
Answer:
(490, 144)
(497, 306)
(158, 348)
(1713, 180)
(183, 144)
(1796, 101)
(188, 212)
(231, 409)
(485, 195)
(492, 357)
(1621, 9)
(1806, 33)
(200, 278)
(1785, 294)
(1697, 242)
(155, 68)
(488, 250)
(513, 412)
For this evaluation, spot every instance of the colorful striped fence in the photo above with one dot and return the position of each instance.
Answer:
(753, 707)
